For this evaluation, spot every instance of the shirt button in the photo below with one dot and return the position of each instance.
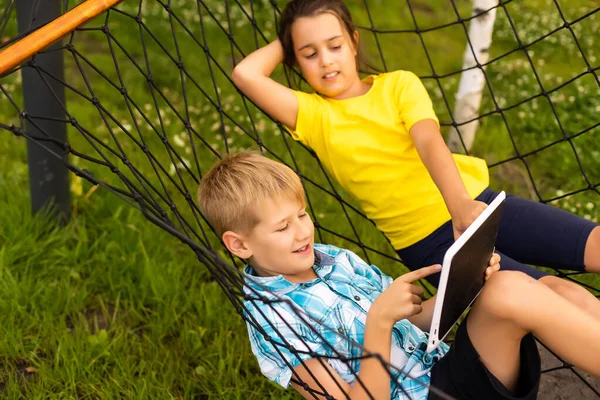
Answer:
(340, 330)
(357, 298)
(411, 347)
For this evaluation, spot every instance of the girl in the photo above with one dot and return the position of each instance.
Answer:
(380, 138)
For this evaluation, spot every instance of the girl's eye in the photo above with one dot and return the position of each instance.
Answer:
(302, 215)
(311, 55)
(336, 47)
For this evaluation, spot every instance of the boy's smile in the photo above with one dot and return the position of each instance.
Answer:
(282, 242)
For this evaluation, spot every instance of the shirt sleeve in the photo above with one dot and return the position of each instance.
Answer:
(413, 101)
(281, 343)
(309, 116)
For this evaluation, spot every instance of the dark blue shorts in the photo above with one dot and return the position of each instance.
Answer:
(530, 233)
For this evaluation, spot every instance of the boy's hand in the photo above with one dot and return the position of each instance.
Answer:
(494, 266)
(402, 299)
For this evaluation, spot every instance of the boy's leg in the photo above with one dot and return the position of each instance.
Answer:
(513, 304)
(494, 355)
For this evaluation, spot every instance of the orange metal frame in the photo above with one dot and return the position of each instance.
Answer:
(38, 40)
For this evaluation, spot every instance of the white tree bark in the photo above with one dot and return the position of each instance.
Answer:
(472, 81)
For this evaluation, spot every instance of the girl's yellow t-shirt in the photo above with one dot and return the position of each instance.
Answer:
(365, 143)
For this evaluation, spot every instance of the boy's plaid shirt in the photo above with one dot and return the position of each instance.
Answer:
(333, 310)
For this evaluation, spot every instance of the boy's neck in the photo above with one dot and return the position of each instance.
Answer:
(304, 276)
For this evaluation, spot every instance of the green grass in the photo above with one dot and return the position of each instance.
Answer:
(111, 306)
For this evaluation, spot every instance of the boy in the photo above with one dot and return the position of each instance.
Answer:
(317, 314)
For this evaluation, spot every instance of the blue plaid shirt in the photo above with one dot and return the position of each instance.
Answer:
(326, 318)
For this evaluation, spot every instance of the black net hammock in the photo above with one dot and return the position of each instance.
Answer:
(150, 105)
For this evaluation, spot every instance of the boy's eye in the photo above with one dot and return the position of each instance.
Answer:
(304, 214)
(284, 228)
(311, 55)
(336, 47)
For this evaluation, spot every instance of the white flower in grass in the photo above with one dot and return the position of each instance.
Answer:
(589, 205)
(521, 114)
(541, 62)
(188, 150)
(229, 140)
(178, 141)
(127, 126)
(559, 192)
(215, 126)
(587, 216)
(571, 99)
(277, 132)
(218, 136)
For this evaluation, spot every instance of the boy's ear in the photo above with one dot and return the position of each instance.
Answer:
(235, 244)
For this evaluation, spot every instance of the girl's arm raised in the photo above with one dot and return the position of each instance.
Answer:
(441, 166)
(252, 77)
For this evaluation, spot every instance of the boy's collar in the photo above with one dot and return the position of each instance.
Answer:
(322, 266)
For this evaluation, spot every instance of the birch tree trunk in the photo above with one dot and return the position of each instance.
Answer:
(472, 81)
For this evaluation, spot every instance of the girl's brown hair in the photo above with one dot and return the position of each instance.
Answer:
(309, 8)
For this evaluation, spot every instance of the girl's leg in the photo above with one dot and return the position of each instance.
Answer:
(592, 251)
(539, 234)
(513, 304)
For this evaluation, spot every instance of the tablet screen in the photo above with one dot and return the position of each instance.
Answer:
(467, 271)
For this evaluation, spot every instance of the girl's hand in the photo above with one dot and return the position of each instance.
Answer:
(402, 299)
(468, 212)
(494, 266)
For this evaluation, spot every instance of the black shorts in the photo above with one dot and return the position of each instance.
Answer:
(531, 233)
(462, 375)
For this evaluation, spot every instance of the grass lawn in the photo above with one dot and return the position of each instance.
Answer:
(110, 306)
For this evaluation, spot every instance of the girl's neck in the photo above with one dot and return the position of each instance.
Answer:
(357, 89)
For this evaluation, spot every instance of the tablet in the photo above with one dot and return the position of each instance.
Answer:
(463, 271)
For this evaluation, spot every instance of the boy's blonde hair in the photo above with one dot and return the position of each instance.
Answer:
(231, 191)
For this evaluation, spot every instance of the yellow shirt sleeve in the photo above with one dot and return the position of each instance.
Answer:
(413, 101)
(308, 120)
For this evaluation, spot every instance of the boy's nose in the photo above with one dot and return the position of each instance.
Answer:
(303, 232)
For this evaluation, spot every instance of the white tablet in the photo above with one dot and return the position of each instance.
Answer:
(463, 271)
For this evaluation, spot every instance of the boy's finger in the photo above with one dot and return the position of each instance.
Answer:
(418, 290)
(420, 273)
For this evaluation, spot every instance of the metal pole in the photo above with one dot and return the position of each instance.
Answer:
(48, 176)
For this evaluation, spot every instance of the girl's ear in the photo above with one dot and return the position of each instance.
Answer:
(236, 244)
(355, 42)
